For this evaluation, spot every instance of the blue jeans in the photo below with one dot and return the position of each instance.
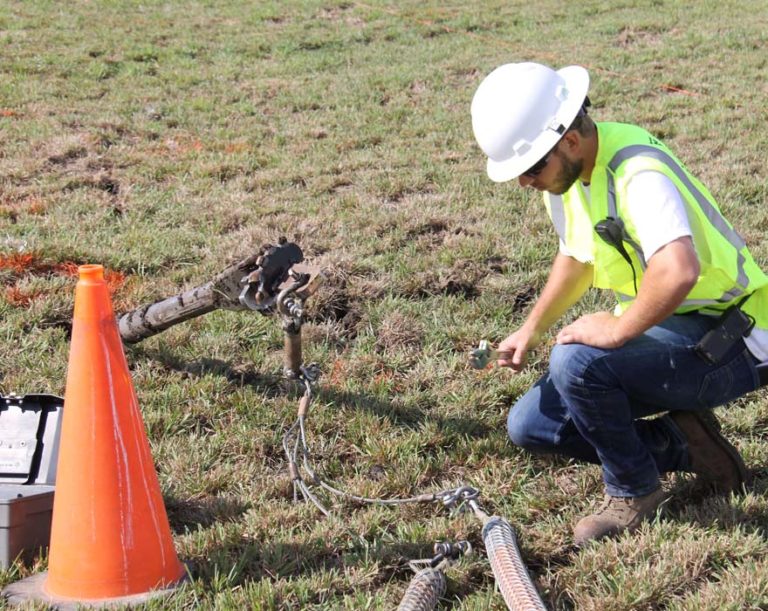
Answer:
(592, 402)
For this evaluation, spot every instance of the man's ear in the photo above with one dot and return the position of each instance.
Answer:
(572, 141)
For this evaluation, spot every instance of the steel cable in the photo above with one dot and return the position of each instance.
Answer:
(300, 446)
(428, 585)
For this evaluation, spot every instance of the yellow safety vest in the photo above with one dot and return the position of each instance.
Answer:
(728, 271)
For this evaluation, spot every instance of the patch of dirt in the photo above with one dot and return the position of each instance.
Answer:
(377, 473)
(430, 227)
(11, 206)
(58, 321)
(462, 279)
(339, 13)
(79, 161)
(630, 36)
(70, 151)
(397, 195)
(339, 185)
(202, 511)
(21, 266)
(464, 75)
(417, 88)
(523, 298)
(100, 181)
(426, 236)
(222, 172)
(357, 144)
(334, 303)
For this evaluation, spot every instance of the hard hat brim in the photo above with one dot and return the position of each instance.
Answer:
(577, 83)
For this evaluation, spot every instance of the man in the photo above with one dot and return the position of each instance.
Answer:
(631, 219)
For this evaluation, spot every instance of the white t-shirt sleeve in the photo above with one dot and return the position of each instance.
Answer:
(657, 209)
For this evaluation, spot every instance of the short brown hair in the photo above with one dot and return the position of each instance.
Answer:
(583, 124)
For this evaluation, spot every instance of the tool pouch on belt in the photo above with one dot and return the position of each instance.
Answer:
(733, 325)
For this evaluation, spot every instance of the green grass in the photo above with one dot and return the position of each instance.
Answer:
(167, 139)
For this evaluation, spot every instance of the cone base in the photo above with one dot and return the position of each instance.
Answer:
(31, 589)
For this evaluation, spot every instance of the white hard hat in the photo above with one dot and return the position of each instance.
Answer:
(520, 111)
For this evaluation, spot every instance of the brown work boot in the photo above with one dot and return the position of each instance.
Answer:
(712, 458)
(616, 515)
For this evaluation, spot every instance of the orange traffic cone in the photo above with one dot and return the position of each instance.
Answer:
(110, 536)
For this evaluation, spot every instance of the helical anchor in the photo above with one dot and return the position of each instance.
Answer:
(507, 564)
(429, 583)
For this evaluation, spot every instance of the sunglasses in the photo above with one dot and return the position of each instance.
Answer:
(538, 167)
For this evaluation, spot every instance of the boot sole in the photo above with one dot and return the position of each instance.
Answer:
(711, 426)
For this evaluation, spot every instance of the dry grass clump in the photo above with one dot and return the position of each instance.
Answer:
(399, 332)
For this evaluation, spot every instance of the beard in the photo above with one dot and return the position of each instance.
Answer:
(568, 174)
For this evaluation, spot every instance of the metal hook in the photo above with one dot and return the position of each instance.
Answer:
(455, 499)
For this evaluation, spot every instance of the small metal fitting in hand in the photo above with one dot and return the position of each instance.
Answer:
(482, 355)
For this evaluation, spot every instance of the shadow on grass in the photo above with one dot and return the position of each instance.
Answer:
(405, 416)
(244, 559)
(274, 386)
(698, 505)
(267, 384)
(190, 514)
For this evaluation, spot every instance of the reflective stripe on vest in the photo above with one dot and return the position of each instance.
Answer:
(557, 210)
(710, 212)
(726, 297)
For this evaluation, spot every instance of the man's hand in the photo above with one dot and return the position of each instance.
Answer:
(672, 272)
(567, 282)
(515, 348)
(598, 330)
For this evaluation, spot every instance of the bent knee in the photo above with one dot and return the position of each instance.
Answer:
(518, 428)
(569, 362)
(524, 432)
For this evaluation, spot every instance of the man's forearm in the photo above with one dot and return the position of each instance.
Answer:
(671, 273)
(568, 280)
(670, 276)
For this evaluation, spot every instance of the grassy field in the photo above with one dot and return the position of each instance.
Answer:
(168, 139)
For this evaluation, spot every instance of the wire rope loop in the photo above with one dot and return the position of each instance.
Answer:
(455, 499)
(309, 374)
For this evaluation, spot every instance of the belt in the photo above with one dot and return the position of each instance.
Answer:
(762, 373)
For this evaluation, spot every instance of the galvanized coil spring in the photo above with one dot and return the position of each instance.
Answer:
(511, 575)
(425, 589)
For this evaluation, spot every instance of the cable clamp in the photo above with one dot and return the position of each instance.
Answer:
(455, 499)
